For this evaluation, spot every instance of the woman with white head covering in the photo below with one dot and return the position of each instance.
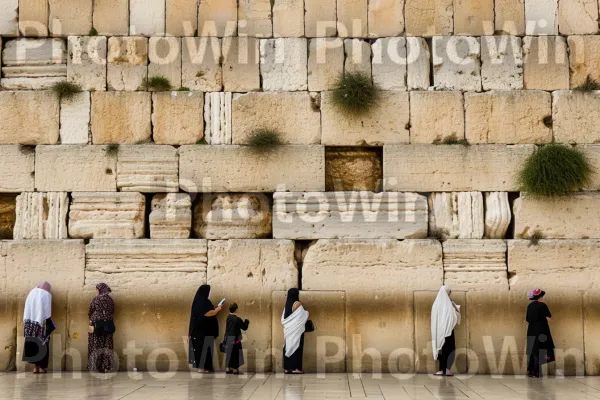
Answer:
(445, 315)
(37, 327)
(295, 323)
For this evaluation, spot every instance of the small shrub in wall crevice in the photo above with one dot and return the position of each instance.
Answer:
(452, 140)
(535, 237)
(264, 140)
(588, 85)
(66, 90)
(437, 234)
(158, 84)
(355, 94)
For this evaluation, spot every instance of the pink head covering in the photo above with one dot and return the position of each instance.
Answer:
(45, 286)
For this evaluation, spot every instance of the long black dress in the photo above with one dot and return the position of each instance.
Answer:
(447, 353)
(234, 357)
(202, 331)
(540, 345)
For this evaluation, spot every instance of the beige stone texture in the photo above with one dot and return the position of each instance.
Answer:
(456, 63)
(353, 169)
(164, 54)
(389, 63)
(233, 216)
(33, 18)
(352, 18)
(386, 123)
(252, 111)
(498, 215)
(255, 18)
(325, 63)
(17, 164)
(181, 17)
(8, 216)
(177, 117)
(339, 215)
(9, 318)
(41, 215)
(147, 17)
(474, 17)
(68, 17)
(429, 18)
(238, 169)
(288, 18)
(324, 349)
(147, 169)
(127, 63)
(39, 109)
(171, 216)
(386, 18)
(590, 326)
(111, 17)
(512, 117)
(217, 114)
(9, 19)
(459, 215)
(436, 115)
(320, 18)
(358, 56)
(217, 18)
(241, 64)
(247, 272)
(419, 63)
(75, 119)
(541, 17)
(283, 64)
(75, 168)
(121, 117)
(509, 17)
(201, 64)
(501, 62)
(86, 62)
(575, 117)
(107, 215)
(578, 17)
(457, 168)
(584, 56)
(592, 151)
(546, 63)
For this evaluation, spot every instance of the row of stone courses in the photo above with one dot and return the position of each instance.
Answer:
(503, 62)
(296, 18)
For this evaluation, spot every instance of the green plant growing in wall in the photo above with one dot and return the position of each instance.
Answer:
(452, 140)
(588, 85)
(535, 237)
(555, 170)
(264, 140)
(66, 90)
(158, 84)
(183, 89)
(437, 234)
(93, 32)
(355, 94)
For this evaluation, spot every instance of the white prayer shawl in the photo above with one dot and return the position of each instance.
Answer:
(445, 315)
(38, 306)
(293, 328)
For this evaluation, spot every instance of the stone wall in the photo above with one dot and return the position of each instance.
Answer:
(158, 191)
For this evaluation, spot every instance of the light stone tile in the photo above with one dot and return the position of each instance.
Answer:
(111, 17)
(201, 67)
(320, 18)
(86, 62)
(545, 63)
(436, 115)
(255, 18)
(352, 18)
(127, 63)
(147, 169)
(288, 18)
(474, 17)
(385, 18)
(578, 17)
(325, 63)
(217, 18)
(39, 109)
(541, 17)
(241, 72)
(502, 62)
(9, 20)
(575, 116)
(429, 18)
(510, 17)
(389, 63)
(456, 63)
(164, 55)
(70, 17)
(147, 17)
(181, 17)
(17, 164)
(121, 117)
(177, 117)
(33, 18)
(75, 119)
(283, 64)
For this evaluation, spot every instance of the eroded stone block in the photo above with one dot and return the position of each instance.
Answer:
(171, 216)
(255, 18)
(352, 17)
(147, 169)
(181, 17)
(75, 119)
(473, 17)
(17, 164)
(578, 17)
(457, 214)
(325, 63)
(386, 18)
(584, 56)
(498, 215)
(68, 17)
(288, 18)
(29, 117)
(201, 64)
(358, 56)
(575, 117)
(9, 20)
(218, 116)
(177, 117)
(147, 17)
(389, 64)
(546, 65)
(419, 63)
(121, 117)
(241, 64)
(41, 215)
(283, 64)
(475, 264)
(509, 17)
(502, 62)
(86, 64)
(33, 18)
(165, 59)
(320, 18)
(217, 18)
(127, 63)
(111, 17)
(353, 169)
(429, 18)
(436, 115)
(541, 17)
(456, 63)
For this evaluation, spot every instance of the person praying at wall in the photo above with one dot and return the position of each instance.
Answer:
(540, 346)
(295, 323)
(102, 328)
(37, 327)
(445, 315)
(234, 357)
(203, 330)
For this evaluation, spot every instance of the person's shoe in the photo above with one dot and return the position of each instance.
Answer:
(439, 373)
(229, 372)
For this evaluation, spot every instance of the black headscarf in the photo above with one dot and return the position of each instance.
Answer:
(203, 326)
(292, 297)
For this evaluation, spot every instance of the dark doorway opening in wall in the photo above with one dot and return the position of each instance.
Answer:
(301, 249)
(8, 215)
(353, 169)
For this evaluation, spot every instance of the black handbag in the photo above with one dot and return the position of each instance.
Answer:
(104, 327)
(309, 327)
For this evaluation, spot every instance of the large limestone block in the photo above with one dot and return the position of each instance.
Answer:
(164, 54)
(121, 117)
(572, 217)
(502, 62)
(456, 63)
(127, 63)
(8, 216)
(584, 56)
(147, 169)
(498, 215)
(201, 67)
(8, 316)
(320, 18)
(68, 17)
(436, 115)
(9, 19)
(217, 114)
(171, 216)
(233, 216)
(17, 164)
(429, 18)
(592, 151)
(247, 272)
(147, 17)
(457, 168)
(509, 17)
(590, 326)
(107, 215)
(386, 123)
(578, 17)
(252, 111)
(419, 63)
(177, 117)
(241, 64)
(325, 63)
(238, 169)
(86, 63)
(41, 215)
(75, 119)
(459, 215)
(33, 18)
(390, 63)
(541, 17)
(512, 117)
(352, 18)
(473, 17)
(283, 64)
(40, 109)
(181, 17)
(362, 215)
(358, 56)
(255, 18)
(546, 64)
(111, 17)
(471, 264)
(386, 18)
(217, 18)
(75, 168)
(288, 18)
(575, 117)
(325, 348)
(353, 169)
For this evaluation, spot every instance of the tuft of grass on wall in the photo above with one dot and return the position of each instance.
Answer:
(452, 140)
(437, 234)
(555, 170)
(589, 85)
(66, 90)
(535, 237)
(264, 140)
(158, 83)
(183, 89)
(355, 94)
(93, 32)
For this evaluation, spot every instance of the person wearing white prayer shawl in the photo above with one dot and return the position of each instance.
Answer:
(445, 315)
(294, 321)
(37, 327)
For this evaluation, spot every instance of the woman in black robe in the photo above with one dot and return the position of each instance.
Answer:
(234, 357)
(292, 364)
(540, 346)
(203, 330)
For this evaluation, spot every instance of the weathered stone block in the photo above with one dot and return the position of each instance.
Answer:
(502, 62)
(590, 325)
(237, 169)
(17, 166)
(68, 17)
(107, 215)
(217, 18)
(363, 215)
(456, 168)
(165, 59)
(177, 117)
(41, 215)
(75, 168)
(352, 18)
(255, 18)
(288, 18)
(459, 215)
(9, 318)
(147, 17)
(111, 17)
(475, 264)
(75, 119)
(325, 63)
(498, 215)
(436, 115)
(283, 64)
(358, 56)
(578, 17)
(171, 216)
(252, 111)
(389, 63)
(386, 123)
(33, 18)
(233, 216)
(121, 117)
(9, 19)
(127, 63)
(181, 17)
(546, 65)
(592, 151)
(419, 63)
(386, 18)
(147, 169)
(353, 169)
(510, 17)
(86, 63)
(241, 64)
(474, 17)
(576, 117)
(541, 17)
(201, 64)
(40, 111)
(513, 117)
(320, 18)
(456, 64)
(429, 18)
(584, 56)
(8, 217)
(217, 114)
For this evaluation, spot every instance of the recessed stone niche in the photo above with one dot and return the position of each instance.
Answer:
(353, 169)
(8, 215)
